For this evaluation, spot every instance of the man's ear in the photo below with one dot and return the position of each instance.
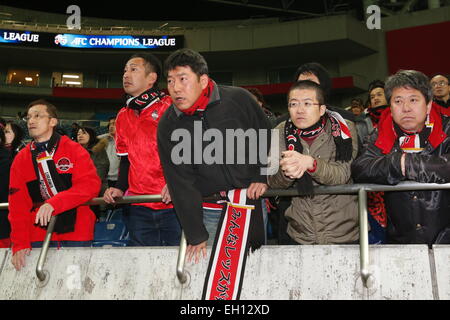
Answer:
(204, 79)
(53, 122)
(152, 78)
(323, 108)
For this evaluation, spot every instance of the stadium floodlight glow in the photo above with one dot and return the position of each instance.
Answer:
(71, 76)
(73, 82)
(28, 79)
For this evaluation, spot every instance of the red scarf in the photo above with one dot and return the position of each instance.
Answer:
(202, 101)
(387, 135)
(375, 113)
(441, 108)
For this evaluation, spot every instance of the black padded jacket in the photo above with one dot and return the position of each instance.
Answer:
(418, 217)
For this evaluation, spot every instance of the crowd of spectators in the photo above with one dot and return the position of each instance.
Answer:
(401, 132)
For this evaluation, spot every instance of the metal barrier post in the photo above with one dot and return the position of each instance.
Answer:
(181, 274)
(40, 273)
(363, 236)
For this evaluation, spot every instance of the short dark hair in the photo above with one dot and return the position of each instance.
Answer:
(109, 120)
(258, 94)
(51, 109)
(375, 84)
(93, 140)
(151, 63)
(319, 71)
(408, 79)
(186, 58)
(359, 100)
(309, 85)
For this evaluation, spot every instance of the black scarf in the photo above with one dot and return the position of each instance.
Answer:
(66, 220)
(144, 99)
(341, 136)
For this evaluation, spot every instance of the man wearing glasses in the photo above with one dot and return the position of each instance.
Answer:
(441, 93)
(51, 176)
(317, 147)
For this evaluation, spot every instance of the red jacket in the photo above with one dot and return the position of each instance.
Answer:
(136, 138)
(75, 160)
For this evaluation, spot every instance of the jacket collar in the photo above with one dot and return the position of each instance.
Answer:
(387, 135)
(215, 98)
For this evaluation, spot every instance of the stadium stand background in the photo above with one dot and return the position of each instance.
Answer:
(260, 51)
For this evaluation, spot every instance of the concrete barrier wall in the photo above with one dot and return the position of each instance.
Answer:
(273, 272)
(442, 262)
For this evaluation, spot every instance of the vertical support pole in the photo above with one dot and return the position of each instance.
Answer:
(181, 274)
(41, 275)
(363, 236)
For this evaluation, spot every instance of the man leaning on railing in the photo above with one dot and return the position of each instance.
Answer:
(411, 143)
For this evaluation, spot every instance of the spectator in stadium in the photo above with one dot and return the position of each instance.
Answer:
(51, 176)
(5, 163)
(317, 73)
(317, 147)
(441, 93)
(262, 103)
(365, 125)
(140, 171)
(114, 160)
(199, 101)
(14, 138)
(411, 143)
(87, 137)
(357, 107)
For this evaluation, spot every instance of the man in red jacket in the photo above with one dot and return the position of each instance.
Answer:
(51, 176)
(140, 171)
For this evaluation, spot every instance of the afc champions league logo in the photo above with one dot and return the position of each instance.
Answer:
(60, 39)
(64, 164)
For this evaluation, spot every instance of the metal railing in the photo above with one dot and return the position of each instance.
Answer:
(358, 189)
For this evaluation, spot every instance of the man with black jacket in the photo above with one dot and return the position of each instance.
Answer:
(411, 142)
(203, 111)
(225, 108)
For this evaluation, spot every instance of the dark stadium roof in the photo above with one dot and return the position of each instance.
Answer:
(212, 10)
(196, 10)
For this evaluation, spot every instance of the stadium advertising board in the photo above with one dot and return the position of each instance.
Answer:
(80, 41)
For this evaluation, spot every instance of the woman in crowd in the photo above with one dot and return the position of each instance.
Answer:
(13, 138)
(97, 149)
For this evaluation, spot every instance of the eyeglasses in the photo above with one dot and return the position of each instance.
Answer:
(441, 83)
(36, 116)
(306, 104)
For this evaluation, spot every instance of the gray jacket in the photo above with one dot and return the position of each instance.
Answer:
(321, 219)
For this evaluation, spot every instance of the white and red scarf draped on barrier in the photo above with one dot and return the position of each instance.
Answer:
(229, 253)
